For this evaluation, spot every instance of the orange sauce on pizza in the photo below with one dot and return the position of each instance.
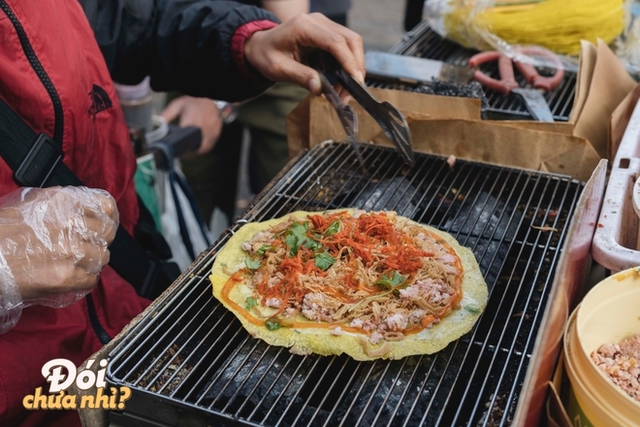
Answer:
(237, 278)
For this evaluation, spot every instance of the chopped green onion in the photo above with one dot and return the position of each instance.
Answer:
(272, 324)
(250, 303)
(472, 309)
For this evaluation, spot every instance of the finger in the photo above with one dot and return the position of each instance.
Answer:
(92, 259)
(173, 110)
(99, 232)
(106, 203)
(355, 43)
(210, 122)
(209, 139)
(99, 259)
(344, 44)
(103, 218)
(110, 230)
(357, 48)
(296, 72)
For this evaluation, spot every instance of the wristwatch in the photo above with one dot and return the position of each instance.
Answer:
(228, 111)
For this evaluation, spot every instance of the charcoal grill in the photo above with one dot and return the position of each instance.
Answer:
(423, 42)
(189, 361)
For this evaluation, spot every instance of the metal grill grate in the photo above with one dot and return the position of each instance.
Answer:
(191, 357)
(425, 43)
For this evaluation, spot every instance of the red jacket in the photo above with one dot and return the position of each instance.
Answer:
(80, 110)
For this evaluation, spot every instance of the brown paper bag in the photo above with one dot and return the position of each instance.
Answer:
(297, 125)
(620, 119)
(314, 120)
(448, 125)
(588, 55)
(452, 126)
(502, 143)
(610, 83)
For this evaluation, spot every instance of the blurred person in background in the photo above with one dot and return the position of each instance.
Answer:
(336, 10)
(218, 159)
(264, 118)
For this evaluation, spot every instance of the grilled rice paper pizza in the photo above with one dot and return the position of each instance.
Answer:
(368, 284)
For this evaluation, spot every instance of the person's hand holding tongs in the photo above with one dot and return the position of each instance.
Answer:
(533, 98)
(391, 120)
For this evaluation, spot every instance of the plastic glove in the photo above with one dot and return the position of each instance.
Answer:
(53, 245)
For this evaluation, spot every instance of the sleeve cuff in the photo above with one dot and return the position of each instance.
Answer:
(237, 49)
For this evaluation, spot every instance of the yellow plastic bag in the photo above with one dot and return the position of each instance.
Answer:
(557, 25)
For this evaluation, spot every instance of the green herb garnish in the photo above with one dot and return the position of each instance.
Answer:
(272, 324)
(296, 237)
(250, 302)
(391, 281)
(323, 261)
(263, 249)
(311, 244)
(332, 229)
(252, 264)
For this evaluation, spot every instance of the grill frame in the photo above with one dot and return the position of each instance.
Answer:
(300, 175)
(424, 42)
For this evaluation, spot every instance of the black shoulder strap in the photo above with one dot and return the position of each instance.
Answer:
(37, 162)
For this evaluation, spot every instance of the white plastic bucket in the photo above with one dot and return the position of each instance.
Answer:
(609, 313)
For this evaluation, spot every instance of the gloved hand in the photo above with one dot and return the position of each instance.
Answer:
(53, 245)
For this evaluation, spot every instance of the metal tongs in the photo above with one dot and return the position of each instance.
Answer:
(390, 119)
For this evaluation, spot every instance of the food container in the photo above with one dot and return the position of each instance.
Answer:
(609, 313)
(137, 104)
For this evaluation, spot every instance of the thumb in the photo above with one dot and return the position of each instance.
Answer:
(302, 75)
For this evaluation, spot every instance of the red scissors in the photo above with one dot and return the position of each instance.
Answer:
(535, 102)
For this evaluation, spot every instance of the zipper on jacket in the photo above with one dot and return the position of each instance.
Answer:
(40, 72)
(99, 330)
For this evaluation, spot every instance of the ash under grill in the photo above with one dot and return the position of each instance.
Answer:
(191, 359)
(423, 42)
